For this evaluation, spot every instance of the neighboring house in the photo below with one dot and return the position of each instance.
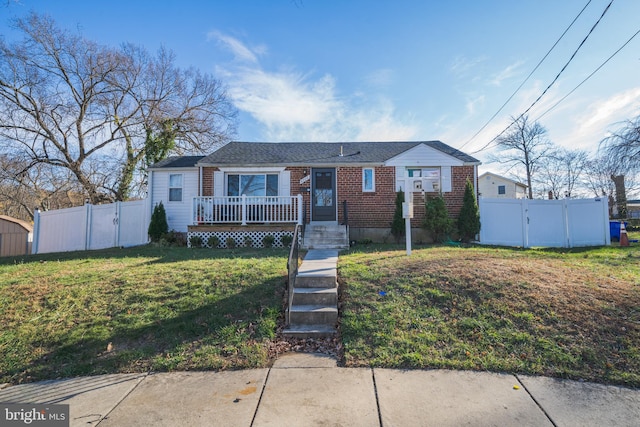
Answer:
(15, 236)
(491, 185)
(633, 208)
(350, 183)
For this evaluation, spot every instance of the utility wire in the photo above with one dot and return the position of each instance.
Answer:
(589, 76)
(528, 77)
(550, 84)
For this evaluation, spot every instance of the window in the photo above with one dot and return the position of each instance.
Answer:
(368, 180)
(502, 189)
(175, 187)
(252, 184)
(430, 177)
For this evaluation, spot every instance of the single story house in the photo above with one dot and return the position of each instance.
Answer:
(491, 185)
(244, 186)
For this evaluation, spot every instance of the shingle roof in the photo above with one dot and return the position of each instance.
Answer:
(178, 162)
(309, 153)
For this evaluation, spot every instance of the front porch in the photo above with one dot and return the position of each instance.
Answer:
(246, 210)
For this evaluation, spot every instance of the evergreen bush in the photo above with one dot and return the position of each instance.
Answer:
(398, 222)
(469, 219)
(158, 226)
(213, 241)
(286, 240)
(436, 219)
(268, 240)
(195, 241)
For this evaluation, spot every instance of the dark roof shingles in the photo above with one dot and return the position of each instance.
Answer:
(289, 153)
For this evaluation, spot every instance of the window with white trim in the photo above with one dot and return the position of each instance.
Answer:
(368, 180)
(430, 178)
(175, 187)
(502, 189)
(252, 184)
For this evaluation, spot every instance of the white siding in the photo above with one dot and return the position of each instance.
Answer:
(179, 214)
(423, 156)
(218, 184)
(489, 183)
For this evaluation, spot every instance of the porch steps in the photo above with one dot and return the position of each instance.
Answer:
(326, 237)
(314, 309)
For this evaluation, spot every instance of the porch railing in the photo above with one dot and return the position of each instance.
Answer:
(292, 270)
(247, 210)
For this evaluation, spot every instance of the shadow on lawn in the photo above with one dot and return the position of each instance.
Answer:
(159, 254)
(228, 333)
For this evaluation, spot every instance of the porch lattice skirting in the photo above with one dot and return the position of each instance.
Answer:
(240, 236)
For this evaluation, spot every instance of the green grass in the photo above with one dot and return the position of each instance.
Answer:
(138, 309)
(562, 313)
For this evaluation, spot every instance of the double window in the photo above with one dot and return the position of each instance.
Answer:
(252, 184)
(175, 187)
(430, 177)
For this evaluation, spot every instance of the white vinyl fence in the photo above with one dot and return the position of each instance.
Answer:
(91, 227)
(554, 223)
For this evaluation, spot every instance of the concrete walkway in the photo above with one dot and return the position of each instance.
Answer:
(306, 389)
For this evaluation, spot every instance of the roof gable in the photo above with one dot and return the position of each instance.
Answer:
(502, 178)
(431, 155)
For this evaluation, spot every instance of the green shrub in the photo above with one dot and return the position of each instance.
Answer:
(268, 240)
(195, 241)
(230, 242)
(398, 222)
(436, 219)
(248, 241)
(286, 240)
(213, 241)
(158, 226)
(469, 219)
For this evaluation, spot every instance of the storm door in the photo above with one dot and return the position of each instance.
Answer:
(323, 194)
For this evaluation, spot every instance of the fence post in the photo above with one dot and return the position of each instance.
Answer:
(36, 231)
(244, 209)
(300, 207)
(117, 224)
(87, 225)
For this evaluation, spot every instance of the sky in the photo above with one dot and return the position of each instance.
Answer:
(387, 70)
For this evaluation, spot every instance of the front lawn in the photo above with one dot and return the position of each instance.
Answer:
(562, 313)
(138, 309)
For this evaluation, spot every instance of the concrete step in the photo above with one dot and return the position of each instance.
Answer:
(311, 280)
(313, 315)
(327, 246)
(315, 296)
(309, 331)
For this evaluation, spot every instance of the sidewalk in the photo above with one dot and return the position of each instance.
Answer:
(306, 389)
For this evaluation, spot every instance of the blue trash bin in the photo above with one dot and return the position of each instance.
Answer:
(614, 230)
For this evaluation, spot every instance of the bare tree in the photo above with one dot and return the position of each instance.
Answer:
(101, 113)
(525, 147)
(561, 171)
(41, 186)
(623, 146)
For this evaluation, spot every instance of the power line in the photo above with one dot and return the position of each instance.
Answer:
(550, 84)
(528, 77)
(589, 76)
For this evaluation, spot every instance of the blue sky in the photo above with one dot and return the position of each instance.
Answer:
(328, 70)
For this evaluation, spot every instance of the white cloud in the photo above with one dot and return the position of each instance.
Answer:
(294, 106)
(380, 78)
(509, 72)
(237, 48)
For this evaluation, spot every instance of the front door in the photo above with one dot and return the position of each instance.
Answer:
(323, 194)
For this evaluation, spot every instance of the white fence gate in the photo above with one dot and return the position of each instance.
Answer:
(91, 227)
(556, 223)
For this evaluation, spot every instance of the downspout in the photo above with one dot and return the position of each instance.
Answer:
(200, 179)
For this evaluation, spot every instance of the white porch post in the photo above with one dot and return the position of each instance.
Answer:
(244, 209)
(300, 207)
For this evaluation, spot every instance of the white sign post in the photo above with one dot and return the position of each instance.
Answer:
(407, 214)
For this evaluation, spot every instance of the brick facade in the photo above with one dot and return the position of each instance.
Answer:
(366, 209)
